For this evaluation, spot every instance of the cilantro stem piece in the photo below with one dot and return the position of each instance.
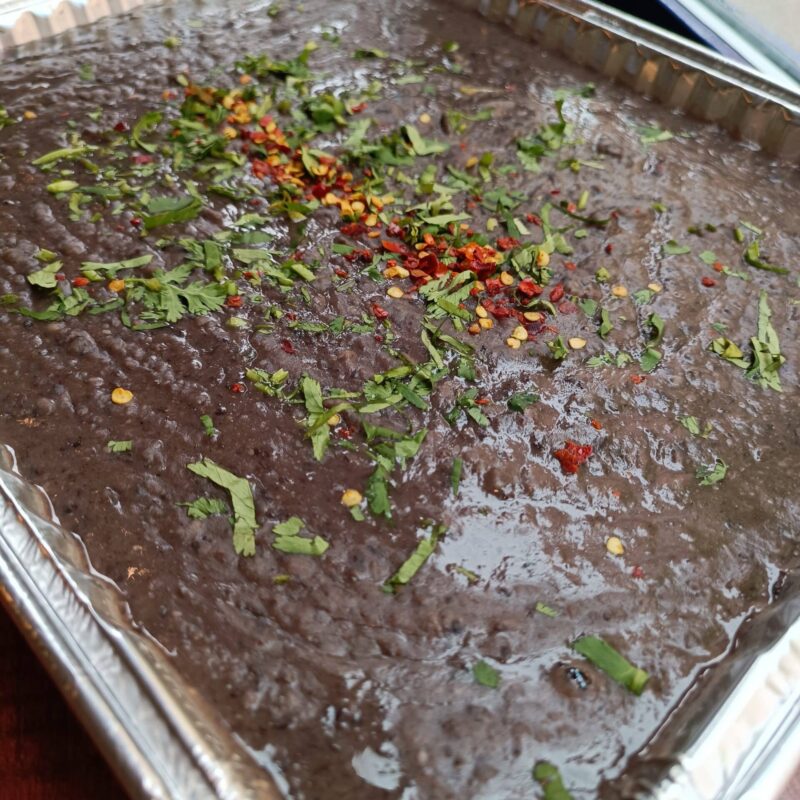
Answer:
(410, 567)
(244, 510)
(616, 666)
(455, 475)
(549, 778)
(752, 255)
(64, 152)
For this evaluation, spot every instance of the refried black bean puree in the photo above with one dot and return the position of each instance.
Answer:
(664, 525)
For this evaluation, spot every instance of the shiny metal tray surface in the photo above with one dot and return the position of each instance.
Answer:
(736, 735)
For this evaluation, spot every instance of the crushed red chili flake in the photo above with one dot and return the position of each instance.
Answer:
(572, 455)
(718, 266)
(248, 275)
(482, 401)
(570, 265)
(353, 229)
(287, 346)
(637, 572)
(556, 293)
(234, 301)
(60, 276)
(80, 281)
(136, 221)
(507, 243)
(709, 282)
(379, 311)
(572, 208)
(567, 307)
(141, 158)
(597, 425)
(529, 288)
(341, 273)
(393, 247)
(609, 248)
(637, 379)
(237, 388)
(534, 219)
(121, 127)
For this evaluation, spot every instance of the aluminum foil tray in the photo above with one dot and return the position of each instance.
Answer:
(735, 735)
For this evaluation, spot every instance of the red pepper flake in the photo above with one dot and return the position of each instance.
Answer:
(570, 265)
(237, 388)
(287, 346)
(60, 276)
(393, 247)
(357, 109)
(291, 316)
(136, 221)
(344, 433)
(248, 275)
(534, 219)
(555, 192)
(529, 288)
(353, 229)
(718, 266)
(341, 273)
(567, 307)
(80, 281)
(234, 301)
(482, 401)
(637, 572)
(637, 379)
(597, 425)
(609, 248)
(507, 243)
(709, 282)
(556, 293)
(572, 208)
(121, 127)
(493, 286)
(141, 158)
(379, 311)
(572, 455)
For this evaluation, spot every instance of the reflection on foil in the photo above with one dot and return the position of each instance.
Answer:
(381, 770)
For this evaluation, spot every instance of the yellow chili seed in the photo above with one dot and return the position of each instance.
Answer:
(351, 498)
(655, 287)
(358, 207)
(619, 291)
(402, 272)
(542, 259)
(479, 286)
(395, 292)
(425, 118)
(245, 79)
(121, 396)
(506, 278)
(576, 343)
(29, 114)
(481, 312)
(330, 199)
(486, 324)
(471, 162)
(117, 285)
(474, 329)
(334, 420)
(520, 333)
(387, 199)
(533, 316)
(371, 221)
(230, 133)
(373, 234)
(513, 343)
(614, 546)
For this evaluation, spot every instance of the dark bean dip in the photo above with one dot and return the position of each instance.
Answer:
(597, 437)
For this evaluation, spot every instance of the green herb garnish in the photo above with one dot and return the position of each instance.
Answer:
(616, 666)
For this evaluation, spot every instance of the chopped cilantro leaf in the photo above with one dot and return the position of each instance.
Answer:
(288, 540)
(522, 400)
(205, 507)
(711, 474)
(673, 248)
(549, 778)
(244, 510)
(485, 674)
(120, 447)
(409, 568)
